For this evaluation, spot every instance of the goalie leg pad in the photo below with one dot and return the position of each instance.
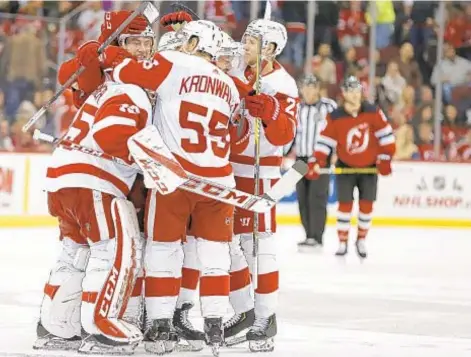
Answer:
(110, 278)
(214, 283)
(60, 309)
(163, 265)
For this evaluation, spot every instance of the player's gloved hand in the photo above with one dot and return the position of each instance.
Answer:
(175, 20)
(87, 54)
(263, 106)
(314, 170)
(383, 164)
(113, 19)
(112, 56)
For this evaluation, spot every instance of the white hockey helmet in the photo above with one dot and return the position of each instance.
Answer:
(148, 32)
(270, 31)
(229, 47)
(208, 34)
(169, 41)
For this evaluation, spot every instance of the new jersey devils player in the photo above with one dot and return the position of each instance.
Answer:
(362, 137)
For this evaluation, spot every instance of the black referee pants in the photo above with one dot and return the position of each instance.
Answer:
(312, 201)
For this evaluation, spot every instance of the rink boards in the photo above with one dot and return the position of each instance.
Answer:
(417, 194)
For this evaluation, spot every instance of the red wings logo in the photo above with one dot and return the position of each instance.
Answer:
(358, 138)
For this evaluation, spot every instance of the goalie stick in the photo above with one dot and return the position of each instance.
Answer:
(146, 8)
(201, 186)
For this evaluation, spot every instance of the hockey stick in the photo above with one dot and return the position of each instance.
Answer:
(146, 8)
(349, 171)
(257, 134)
(201, 186)
(177, 6)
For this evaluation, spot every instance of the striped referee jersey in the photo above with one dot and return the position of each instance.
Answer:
(311, 121)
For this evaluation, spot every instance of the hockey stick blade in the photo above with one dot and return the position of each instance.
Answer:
(176, 6)
(285, 185)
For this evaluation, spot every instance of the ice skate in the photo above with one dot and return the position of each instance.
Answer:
(99, 345)
(361, 248)
(235, 328)
(186, 331)
(48, 341)
(261, 334)
(160, 337)
(343, 249)
(214, 333)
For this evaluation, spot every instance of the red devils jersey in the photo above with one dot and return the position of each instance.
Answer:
(357, 140)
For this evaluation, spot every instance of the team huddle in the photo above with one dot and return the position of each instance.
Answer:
(132, 258)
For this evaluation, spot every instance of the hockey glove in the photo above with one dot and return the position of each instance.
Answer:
(112, 56)
(314, 167)
(263, 106)
(115, 18)
(87, 54)
(383, 164)
(175, 20)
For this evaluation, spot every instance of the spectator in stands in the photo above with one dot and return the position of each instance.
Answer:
(385, 17)
(90, 20)
(454, 71)
(294, 15)
(327, 18)
(322, 65)
(407, 102)
(457, 27)
(221, 13)
(421, 14)
(425, 114)
(25, 65)
(426, 95)
(393, 83)
(452, 132)
(6, 143)
(463, 148)
(351, 27)
(24, 142)
(405, 147)
(408, 66)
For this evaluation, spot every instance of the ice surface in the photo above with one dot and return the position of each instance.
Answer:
(411, 297)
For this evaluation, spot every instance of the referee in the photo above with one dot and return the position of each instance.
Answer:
(312, 194)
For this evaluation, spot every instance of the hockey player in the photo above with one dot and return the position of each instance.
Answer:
(93, 76)
(362, 137)
(195, 103)
(139, 44)
(280, 97)
(90, 285)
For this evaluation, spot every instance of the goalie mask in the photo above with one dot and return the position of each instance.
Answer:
(170, 41)
(140, 45)
(270, 32)
(209, 37)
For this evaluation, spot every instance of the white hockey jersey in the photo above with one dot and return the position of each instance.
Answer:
(195, 102)
(105, 121)
(282, 86)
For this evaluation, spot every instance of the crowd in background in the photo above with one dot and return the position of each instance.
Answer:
(406, 72)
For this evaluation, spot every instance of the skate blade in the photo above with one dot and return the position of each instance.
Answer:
(215, 349)
(189, 346)
(159, 348)
(267, 345)
(235, 340)
(56, 344)
(94, 348)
